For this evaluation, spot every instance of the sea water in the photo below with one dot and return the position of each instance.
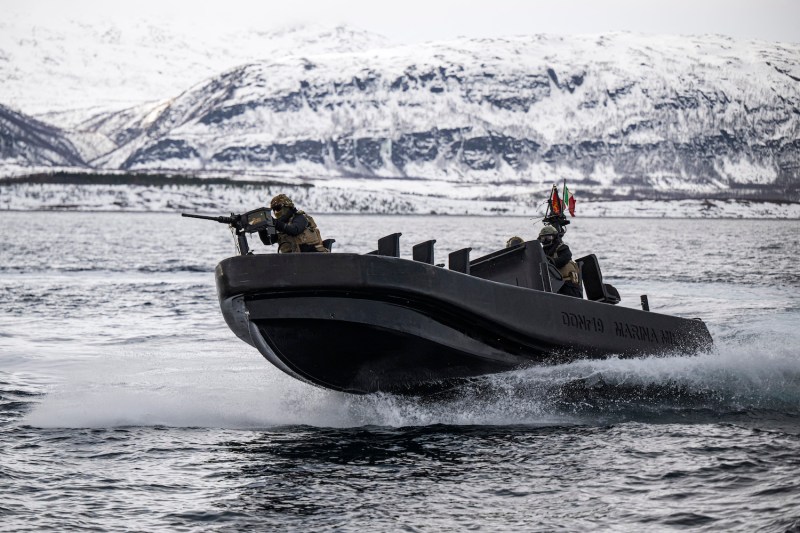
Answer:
(127, 404)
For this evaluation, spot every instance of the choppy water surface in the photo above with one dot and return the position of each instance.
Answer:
(127, 404)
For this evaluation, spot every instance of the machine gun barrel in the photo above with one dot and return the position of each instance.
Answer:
(256, 221)
(221, 219)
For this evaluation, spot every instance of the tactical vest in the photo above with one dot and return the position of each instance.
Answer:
(569, 272)
(309, 236)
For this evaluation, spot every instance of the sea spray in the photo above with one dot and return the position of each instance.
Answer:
(755, 373)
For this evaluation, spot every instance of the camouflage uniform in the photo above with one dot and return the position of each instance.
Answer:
(562, 258)
(297, 231)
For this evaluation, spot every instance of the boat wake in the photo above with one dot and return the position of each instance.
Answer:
(738, 379)
(755, 378)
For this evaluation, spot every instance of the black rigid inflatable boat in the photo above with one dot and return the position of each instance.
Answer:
(363, 323)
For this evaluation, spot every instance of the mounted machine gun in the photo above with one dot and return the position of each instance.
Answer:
(256, 221)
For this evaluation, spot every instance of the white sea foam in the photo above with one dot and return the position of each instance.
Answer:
(242, 391)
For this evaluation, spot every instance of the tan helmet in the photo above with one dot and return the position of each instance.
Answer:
(279, 200)
(514, 241)
(548, 237)
(280, 205)
(548, 230)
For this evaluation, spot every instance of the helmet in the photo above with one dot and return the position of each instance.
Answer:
(548, 230)
(280, 200)
(548, 235)
(280, 205)
(514, 241)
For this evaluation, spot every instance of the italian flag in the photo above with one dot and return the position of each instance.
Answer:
(568, 201)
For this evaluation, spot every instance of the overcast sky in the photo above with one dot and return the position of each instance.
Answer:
(422, 20)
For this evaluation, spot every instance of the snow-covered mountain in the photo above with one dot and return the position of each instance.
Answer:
(63, 72)
(27, 142)
(617, 115)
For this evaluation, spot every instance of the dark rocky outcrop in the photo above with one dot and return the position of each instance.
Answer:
(30, 142)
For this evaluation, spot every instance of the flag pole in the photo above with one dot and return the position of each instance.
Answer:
(554, 216)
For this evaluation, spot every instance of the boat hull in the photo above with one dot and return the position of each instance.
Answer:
(367, 323)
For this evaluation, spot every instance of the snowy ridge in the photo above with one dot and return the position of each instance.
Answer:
(107, 67)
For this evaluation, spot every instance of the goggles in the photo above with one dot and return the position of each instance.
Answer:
(546, 239)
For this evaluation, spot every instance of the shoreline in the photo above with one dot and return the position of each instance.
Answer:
(391, 199)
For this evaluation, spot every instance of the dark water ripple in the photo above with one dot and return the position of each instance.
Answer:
(437, 477)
